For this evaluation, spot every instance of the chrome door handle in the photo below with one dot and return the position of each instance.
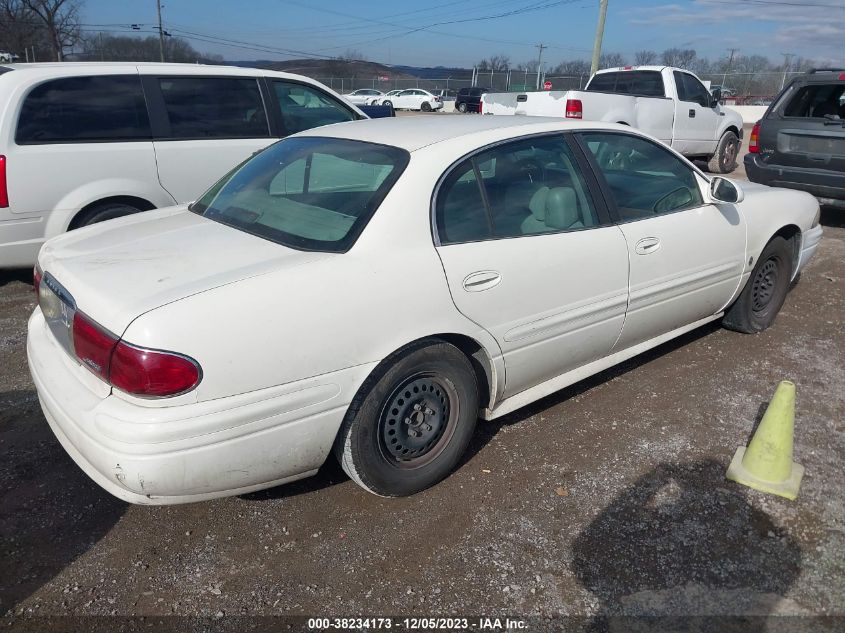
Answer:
(481, 280)
(647, 245)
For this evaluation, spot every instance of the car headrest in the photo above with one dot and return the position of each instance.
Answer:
(561, 208)
(537, 204)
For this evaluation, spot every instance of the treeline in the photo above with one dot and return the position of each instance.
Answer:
(122, 48)
(50, 30)
(745, 74)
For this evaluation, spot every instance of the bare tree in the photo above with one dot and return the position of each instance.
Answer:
(611, 60)
(499, 62)
(645, 58)
(352, 55)
(122, 48)
(679, 57)
(61, 20)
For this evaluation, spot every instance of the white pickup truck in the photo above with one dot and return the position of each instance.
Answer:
(669, 103)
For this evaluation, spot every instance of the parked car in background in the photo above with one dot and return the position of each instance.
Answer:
(414, 99)
(445, 94)
(469, 99)
(196, 352)
(800, 141)
(365, 96)
(387, 96)
(668, 103)
(85, 142)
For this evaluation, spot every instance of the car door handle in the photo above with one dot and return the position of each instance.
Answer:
(481, 280)
(647, 245)
(692, 113)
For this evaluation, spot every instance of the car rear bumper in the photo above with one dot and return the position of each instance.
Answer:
(191, 452)
(828, 186)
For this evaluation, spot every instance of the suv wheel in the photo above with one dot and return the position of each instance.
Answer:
(462, 107)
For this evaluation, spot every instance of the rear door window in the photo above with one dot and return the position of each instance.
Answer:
(214, 107)
(304, 107)
(85, 109)
(817, 101)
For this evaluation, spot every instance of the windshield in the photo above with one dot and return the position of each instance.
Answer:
(308, 193)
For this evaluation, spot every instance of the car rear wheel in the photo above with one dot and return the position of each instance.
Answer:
(388, 103)
(426, 106)
(727, 151)
(102, 212)
(411, 421)
(462, 107)
(764, 293)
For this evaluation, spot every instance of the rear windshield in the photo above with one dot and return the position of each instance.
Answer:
(645, 83)
(817, 101)
(307, 193)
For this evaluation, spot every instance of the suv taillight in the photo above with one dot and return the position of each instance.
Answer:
(4, 191)
(754, 139)
(574, 109)
(481, 105)
(139, 371)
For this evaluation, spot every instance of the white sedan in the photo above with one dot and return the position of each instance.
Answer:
(372, 288)
(365, 96)
(414, 99)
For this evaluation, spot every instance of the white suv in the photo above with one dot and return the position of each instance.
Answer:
(85, 142)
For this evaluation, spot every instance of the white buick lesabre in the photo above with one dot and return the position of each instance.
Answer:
(372, 288)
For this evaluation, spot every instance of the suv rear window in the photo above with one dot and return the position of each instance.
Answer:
(308, 193)
(818, 101)
(84, 109)
(645, 83)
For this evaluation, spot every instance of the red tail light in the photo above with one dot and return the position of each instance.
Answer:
(4, 191)
(93, 345)
(136, 370)
(480, 106)
(36, 278)
(152, 373)
(574, 109)
(754, 139)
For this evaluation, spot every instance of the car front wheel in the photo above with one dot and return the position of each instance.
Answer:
(411, 421)
(764, 293)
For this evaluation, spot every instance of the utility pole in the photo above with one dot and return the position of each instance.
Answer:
(160, 31)
(540, 47)
(730, 63)
(599, 35)
(787, 57)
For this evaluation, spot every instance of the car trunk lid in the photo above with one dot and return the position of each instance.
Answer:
(116, 271)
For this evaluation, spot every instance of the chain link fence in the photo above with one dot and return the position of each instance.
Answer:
(751, 88)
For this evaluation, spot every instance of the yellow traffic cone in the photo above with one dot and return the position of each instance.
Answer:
(766, 464)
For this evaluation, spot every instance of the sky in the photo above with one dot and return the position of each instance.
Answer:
(460, 32)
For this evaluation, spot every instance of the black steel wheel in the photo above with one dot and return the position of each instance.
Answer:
(411, 421)
(764, 293)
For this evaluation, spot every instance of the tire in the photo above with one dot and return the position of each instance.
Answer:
(764, 293)
(727, 151)
(102, 212)
(462, 107)
(423, 400)
(388, 103)
(426, 106)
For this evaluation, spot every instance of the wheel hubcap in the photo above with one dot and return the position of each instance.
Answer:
(415, 420)
(764, 285)
(730, 154)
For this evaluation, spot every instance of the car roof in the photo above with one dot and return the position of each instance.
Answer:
(71, 69)
(415, 132)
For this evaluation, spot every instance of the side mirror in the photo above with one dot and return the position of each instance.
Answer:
(724, 190)
(717, 97)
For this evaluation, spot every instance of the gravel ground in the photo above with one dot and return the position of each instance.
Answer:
(606, 499)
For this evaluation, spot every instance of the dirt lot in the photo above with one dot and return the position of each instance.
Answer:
(605, 499)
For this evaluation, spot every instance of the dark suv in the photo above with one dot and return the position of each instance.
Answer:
(800, 141)
(469, 99)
